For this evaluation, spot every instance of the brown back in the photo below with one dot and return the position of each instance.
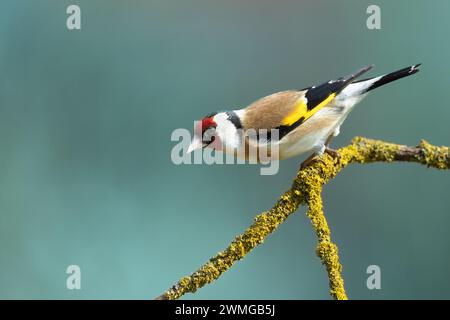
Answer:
(268, 112)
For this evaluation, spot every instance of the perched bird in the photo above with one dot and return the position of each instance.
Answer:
(306, 119)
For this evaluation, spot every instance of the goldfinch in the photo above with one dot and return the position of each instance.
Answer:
(306, 120)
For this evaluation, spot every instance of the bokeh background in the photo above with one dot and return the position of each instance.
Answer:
(86, 176)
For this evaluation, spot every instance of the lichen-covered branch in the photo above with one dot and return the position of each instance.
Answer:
(306, 189)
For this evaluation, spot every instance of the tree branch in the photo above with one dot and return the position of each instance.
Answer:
(306, 189)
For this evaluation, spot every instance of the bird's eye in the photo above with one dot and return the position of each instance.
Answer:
(208, 135)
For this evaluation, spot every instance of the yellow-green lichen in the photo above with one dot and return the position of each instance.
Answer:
(437, 157)
(326, 250)
(306, 189)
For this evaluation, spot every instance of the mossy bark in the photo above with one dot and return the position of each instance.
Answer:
(307, 189)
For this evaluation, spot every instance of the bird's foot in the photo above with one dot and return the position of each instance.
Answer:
(317, 157)
(333, 153)
(314, 158)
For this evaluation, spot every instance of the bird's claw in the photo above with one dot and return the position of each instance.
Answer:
(314, 158)
(310, 161)
(334, 154)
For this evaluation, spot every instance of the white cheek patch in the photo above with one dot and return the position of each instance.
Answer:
(226, 131)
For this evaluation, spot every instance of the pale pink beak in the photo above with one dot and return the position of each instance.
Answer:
(195, 144)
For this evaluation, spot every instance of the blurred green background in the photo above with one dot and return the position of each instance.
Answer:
(85, 171)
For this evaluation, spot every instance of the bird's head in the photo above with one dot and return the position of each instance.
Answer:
(217, 131)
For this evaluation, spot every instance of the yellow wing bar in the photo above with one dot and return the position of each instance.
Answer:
(301, 111)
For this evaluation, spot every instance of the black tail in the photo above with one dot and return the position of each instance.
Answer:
(317, 94)
(392, 76)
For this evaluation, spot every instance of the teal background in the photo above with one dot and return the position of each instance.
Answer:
(85, 171)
